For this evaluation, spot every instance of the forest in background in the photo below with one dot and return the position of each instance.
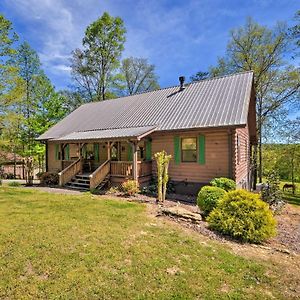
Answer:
(30, 104)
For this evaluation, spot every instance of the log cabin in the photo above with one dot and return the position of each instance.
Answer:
(209, 128)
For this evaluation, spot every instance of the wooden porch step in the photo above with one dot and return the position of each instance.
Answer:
(85, 185)
(83, 176)
(84, 181)
(103, 183)
(79, 188)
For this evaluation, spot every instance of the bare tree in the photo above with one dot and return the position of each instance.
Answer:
(139, 75)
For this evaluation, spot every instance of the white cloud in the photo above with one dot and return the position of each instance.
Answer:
(51, 24)
(63, 68)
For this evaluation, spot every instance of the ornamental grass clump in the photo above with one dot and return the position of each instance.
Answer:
(162, 163)
(244, 216)
(224, 183)
(208, 198)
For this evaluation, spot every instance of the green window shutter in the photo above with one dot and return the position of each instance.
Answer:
(148, 150)
(57, 152)
(177, 150)
(67, 152)
(130, 154)
(201, 149)
(96, 152)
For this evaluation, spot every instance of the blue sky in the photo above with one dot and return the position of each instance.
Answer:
(179, 37)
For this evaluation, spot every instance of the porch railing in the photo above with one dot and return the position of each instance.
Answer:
(121, 168)
(125, 168)
(66, 174)
(99, 174)
(144, 168)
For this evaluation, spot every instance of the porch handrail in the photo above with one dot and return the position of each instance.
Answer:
(121, 168)
(99, 174)
(70, 171)
(145, 168)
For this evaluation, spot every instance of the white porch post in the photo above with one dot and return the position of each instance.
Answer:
(108, 150)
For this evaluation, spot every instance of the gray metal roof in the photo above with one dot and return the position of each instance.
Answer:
(118, 133)
(220, 101)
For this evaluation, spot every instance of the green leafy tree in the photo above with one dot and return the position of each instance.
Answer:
(29, 65)
(138, 75)
(290, 133)
(260, 49)
(295, 31)
(200, 76)
(72, 99)
(10, 87)
(94, 67)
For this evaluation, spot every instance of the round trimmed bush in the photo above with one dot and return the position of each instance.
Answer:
(224, 183)
(49, 178)
(208, 198)
(244, 216)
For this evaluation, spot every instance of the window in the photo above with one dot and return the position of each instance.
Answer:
(114, 153)
(189, 150)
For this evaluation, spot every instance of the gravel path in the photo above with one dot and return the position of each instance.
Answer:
(54, 190)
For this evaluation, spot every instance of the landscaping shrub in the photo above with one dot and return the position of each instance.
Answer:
(208, 197)
(243, 215)
(130, 187)
(14, 184)
(224, 183)
(113, 190)
(49, 178)
(39, 174)
(151, 189)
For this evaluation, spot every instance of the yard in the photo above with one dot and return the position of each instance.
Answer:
(87, 247)
(289, 197)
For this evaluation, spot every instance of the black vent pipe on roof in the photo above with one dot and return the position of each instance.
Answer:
(181, 80)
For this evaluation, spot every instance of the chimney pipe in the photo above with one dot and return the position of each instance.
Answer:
(181, 80)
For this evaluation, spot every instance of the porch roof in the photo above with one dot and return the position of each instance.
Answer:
(136, 133)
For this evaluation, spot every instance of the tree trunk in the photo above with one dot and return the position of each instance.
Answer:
(292, 166)
(15, 164)
(259, 141)
(254, 159)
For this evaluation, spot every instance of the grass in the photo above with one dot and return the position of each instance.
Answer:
(83, 247)
(289, 197)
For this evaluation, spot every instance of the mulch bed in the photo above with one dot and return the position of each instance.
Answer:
(288, 222)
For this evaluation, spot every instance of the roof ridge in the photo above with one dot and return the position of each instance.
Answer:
(115, 128)
(173, 86)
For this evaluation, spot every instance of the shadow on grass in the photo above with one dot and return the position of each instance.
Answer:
(292, 198)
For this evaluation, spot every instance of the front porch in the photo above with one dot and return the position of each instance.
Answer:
(90, 164)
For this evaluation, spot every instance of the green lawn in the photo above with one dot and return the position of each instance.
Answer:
(289, 197)
(83, 247)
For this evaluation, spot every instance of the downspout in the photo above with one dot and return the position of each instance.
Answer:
(46, 154)
(230, 155)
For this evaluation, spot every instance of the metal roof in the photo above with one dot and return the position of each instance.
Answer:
(220, 101)
(118, 133)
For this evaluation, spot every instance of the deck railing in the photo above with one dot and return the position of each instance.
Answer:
(144, 168)
(125, 168)
(99, 174)
(121, 168)
(66, 174)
